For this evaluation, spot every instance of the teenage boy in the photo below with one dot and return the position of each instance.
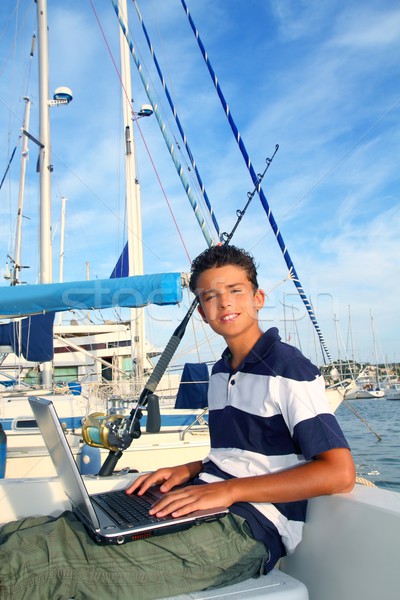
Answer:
(274, 443)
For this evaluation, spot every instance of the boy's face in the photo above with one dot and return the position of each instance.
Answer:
(228, 302)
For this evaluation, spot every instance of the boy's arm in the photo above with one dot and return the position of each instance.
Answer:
(329, 473)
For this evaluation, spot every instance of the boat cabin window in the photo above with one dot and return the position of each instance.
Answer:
(24, 423)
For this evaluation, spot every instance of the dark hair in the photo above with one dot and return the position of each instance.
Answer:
(220, 256)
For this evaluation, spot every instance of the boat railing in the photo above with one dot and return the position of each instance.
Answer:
(198, 424)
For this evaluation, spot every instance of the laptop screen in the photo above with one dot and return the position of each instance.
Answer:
(62, 458)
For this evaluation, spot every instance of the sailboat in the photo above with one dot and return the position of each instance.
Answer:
(365, 386)
(367, 383)
(26, 454)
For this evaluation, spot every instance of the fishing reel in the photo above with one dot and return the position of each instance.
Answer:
(115, 431)
(111, 431)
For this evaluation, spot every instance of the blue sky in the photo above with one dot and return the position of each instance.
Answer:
(319, 78)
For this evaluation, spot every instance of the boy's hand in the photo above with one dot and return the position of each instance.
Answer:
(167, 478)
(193, 497)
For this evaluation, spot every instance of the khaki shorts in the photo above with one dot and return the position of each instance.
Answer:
(48, 558)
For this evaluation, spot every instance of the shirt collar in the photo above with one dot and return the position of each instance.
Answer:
(259, 350)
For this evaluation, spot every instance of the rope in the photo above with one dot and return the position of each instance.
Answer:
(143, 138)
(260, 192)
(364, 481)
(178, 122)
(169, 144)
(357, 414)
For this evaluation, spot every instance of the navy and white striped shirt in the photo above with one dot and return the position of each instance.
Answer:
(268, 415)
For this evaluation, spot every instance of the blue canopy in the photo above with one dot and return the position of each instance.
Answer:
(193, 388)
(130, 292)
(31, 337)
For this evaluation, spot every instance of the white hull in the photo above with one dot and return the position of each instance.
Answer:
(366, 386)
(358, 392)
(364, 395)
(183, 441)
(27, 455)
(149, 452)
(393, 392)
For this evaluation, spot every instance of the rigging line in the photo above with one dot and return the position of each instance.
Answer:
(178, 122)
(193, 182)
(9, 164)
(195, 187)
(169, 144)
(142, 136)
(347, 404)
(160, 103)
(254, 178)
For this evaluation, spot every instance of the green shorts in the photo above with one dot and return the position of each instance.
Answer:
(47, 558)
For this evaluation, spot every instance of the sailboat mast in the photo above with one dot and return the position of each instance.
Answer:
(45, 167)
(18, 227)
(133, 203)
(46, 273)
(375, 353)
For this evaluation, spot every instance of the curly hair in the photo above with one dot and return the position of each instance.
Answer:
(220, 256)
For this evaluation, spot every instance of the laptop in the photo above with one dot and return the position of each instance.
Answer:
(112, 517)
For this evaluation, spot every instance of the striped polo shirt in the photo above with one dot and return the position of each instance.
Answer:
(268, 415)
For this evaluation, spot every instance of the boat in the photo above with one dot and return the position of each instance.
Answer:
(366, 385)
(392, 391)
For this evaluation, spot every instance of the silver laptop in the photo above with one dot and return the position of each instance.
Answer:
(112, 517)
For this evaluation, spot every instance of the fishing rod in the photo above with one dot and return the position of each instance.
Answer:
(116, 432)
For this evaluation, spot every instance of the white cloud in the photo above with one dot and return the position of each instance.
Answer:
(368, 27)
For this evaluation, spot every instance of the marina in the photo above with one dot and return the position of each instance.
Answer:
(377, 460)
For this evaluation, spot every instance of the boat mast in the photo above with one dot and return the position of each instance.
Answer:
(133, 204)
(45, 168)
(375, 353)
(62, 96)
(62, 238)
(18, 228)
(46, 274)
(61, 258)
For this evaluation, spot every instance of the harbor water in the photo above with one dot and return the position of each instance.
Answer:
(376, 460)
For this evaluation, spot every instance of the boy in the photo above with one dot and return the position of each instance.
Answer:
(274, 444)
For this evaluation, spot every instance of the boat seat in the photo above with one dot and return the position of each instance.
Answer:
(277, 585)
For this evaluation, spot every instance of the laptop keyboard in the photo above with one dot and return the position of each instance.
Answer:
(127, 510)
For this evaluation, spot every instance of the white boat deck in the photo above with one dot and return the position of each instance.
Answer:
(350, 548)
(276, 585)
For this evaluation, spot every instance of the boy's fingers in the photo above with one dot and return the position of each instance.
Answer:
(141, 482)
